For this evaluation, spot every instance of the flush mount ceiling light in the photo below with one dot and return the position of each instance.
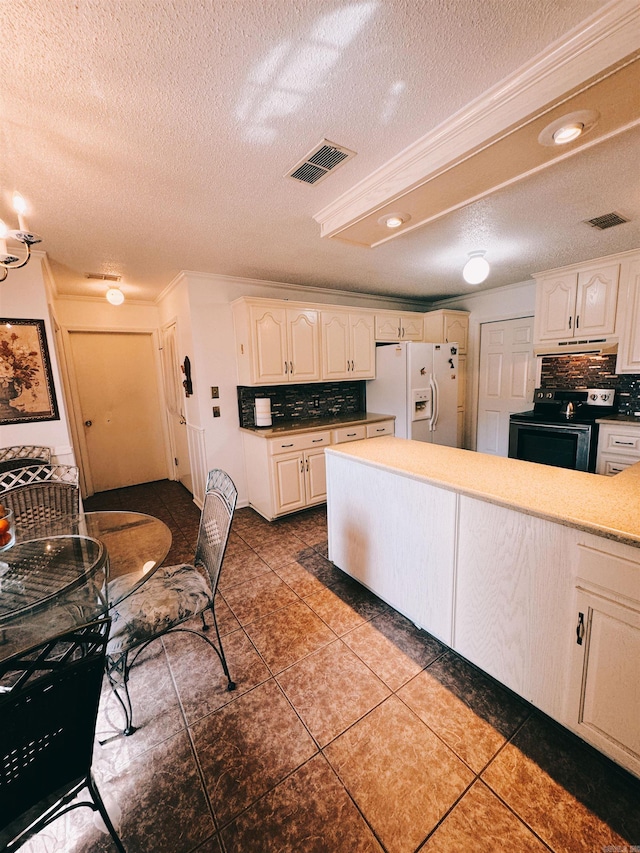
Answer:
(8, 260)
(394, 220)
(476, 269)
(568, 128)
(115, 296)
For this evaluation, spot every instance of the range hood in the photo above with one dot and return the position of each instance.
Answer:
(599, 346)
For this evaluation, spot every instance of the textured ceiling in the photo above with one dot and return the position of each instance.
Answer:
(152, 136)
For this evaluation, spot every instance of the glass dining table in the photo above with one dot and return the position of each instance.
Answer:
(73, 571)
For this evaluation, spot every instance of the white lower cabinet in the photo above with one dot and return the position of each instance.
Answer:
(618, 447)
(299, 480)
(604, 693)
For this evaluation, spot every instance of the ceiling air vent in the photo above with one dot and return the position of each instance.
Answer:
(102, 276)
(324, 158)
(606, 221)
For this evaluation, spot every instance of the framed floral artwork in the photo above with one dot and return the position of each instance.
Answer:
(26, 383)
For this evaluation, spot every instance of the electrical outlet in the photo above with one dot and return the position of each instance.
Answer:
(216, 411)
(316, 402)
(215, 392)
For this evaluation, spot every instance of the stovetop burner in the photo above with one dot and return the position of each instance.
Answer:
(564, 405)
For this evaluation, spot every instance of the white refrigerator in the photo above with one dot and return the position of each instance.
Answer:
(418, 383)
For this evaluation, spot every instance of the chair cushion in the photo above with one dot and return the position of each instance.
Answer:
(170, 596)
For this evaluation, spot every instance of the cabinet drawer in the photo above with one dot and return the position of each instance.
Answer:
(354, 433)
(623, 442)
(382, 428)
(303, 441)
(609, 466)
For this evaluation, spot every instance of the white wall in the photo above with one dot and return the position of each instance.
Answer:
(503, 303)
(23, 295)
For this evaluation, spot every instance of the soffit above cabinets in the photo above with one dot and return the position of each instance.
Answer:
(494, 142)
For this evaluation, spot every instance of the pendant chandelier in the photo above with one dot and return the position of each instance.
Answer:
(7, 259)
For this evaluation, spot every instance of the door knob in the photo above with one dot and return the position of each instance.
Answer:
(88, 423)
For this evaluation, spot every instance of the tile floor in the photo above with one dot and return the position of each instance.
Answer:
(350, 730)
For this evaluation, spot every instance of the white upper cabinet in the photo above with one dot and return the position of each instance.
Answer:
(398, 327)
(577, 304)
(444, 326)
(629, 317)
(348, 345)
(276, 344)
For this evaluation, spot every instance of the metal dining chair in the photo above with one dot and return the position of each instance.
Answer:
(172, 595)
(40, 495)
(23, 454)
(49, 699)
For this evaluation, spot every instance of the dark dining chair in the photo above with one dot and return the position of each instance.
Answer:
(172, 595)
(49, 699)
(40, 495)
(23, 454)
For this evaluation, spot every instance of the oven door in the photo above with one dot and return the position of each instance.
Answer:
(563, 445)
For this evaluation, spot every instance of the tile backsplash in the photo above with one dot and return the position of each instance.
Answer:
(592, 371)
(298, 402)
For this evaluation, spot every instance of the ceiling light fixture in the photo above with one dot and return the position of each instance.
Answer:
(568, 132)
(8, 260)
(476, 269)
(115, 296)
(393, 220)
(568, 128)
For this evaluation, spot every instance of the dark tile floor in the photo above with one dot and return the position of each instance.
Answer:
(350, 729)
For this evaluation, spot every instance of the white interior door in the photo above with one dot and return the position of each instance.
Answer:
(506, 380)
(116, 380)
(174, 396)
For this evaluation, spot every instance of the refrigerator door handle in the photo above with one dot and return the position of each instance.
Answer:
(435, 406)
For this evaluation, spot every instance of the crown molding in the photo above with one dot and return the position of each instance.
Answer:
(602, 41)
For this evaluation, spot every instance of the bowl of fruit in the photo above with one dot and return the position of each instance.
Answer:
(7, 528)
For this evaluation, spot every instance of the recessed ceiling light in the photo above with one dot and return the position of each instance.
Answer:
(568, 132)
(394, 220)
(568, 128)
(476, 269)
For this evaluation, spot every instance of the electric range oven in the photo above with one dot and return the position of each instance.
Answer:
(561, 430)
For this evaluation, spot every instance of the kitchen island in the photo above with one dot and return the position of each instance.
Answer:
(530, 572)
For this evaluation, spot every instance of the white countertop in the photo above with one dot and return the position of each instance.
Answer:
(316, 424)
(606, 506)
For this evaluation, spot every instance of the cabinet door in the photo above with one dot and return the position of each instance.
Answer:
(629, 352)
(411, 327)
(315, 477)
(388, 327)
(362, 347)
(270, 353)
(288, 482)
(605, 684)
(596, 301)
(456, 330)
(555, 304)
(303, 346)
(335, 345)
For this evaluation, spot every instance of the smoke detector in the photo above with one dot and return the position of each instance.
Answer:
(319, 162)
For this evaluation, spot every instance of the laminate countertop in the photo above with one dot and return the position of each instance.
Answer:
(316, 424)
(605, 506)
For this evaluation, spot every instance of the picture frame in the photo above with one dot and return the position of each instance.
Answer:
(27, 392)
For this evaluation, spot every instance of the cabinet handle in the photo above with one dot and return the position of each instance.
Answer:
(351, 434)
(316, 440)
(302, 466)
(291, 366)
(286, 367)
(403, 333)
(619, 443)
(577, 321)
(348, 365)
(570, 319)
(380, 429)
(399, 332)
(352, 367)
(307, 464)
(580, 629)
(287, 445)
